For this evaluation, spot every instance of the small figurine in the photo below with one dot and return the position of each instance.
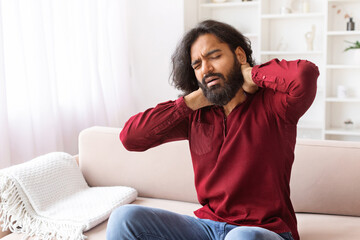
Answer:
(349, 124)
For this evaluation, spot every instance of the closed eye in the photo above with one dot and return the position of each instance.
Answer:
(195, 65)
(215, 57)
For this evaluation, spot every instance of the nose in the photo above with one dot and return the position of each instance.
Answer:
(207, 68)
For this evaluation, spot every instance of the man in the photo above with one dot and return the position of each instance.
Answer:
(240, 121)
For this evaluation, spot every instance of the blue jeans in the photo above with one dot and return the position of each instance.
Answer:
(132, 222)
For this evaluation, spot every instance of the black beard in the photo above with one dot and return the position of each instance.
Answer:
(221, 95)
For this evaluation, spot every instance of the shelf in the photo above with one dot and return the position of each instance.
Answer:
(291, 52)
(343, 131)
(343, 100)
(334, 66)
(343, 33)
(230, 4)
(343, 1)
(291, 15)
(310, 126)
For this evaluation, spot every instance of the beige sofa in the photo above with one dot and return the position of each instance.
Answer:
(325, 181)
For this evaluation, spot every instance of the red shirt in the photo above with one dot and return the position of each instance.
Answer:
(242, 162)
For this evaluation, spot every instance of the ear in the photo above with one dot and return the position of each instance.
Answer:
(240, 55)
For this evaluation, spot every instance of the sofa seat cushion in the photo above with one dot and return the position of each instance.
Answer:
(328, 227)
(311, 226)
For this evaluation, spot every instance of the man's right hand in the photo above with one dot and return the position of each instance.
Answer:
(197, 100)
(249, 85)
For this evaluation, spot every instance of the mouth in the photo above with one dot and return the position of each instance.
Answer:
(211, 81)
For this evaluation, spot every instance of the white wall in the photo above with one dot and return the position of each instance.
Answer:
(155, 27)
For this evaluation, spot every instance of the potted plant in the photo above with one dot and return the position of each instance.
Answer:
(355, 48)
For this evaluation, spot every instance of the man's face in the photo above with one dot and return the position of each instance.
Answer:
(216, 68)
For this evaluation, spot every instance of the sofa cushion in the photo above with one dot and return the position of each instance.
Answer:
(163, 172)
(325, 177)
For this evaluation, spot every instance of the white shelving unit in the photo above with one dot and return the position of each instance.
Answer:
(282, 35)
(341, 72)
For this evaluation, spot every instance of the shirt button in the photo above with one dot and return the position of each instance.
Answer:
(263, 77)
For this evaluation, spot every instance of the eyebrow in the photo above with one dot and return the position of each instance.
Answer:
(206, 55)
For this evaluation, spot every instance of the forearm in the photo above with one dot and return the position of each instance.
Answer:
(166, 122)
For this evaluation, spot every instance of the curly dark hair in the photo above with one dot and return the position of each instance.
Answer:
(183, 76)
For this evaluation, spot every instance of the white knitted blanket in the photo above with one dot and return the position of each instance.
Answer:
(48, 198)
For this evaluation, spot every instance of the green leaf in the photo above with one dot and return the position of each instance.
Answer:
(354, 45)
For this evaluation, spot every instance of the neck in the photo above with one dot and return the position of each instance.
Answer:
(239, 98)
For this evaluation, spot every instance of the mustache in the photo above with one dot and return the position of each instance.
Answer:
(212, 75)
